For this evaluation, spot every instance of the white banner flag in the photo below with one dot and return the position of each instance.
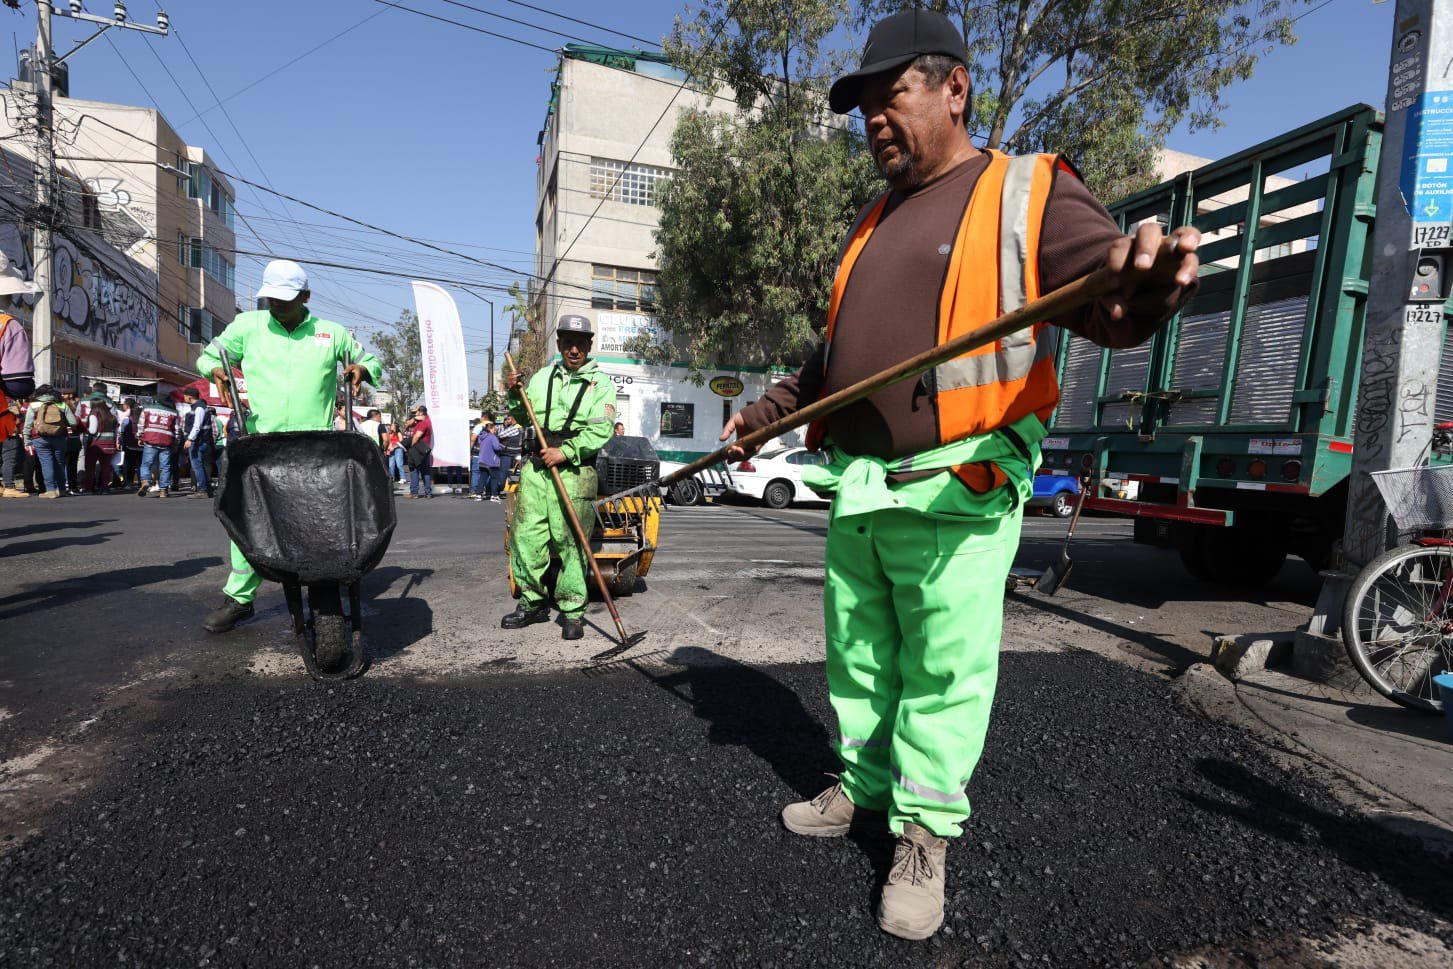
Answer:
(446, 374)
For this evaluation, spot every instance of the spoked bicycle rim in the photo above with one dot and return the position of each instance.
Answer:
(1398, 623)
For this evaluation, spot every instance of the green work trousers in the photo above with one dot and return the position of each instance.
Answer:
(539, 531)
(242, 582)
(914, 608)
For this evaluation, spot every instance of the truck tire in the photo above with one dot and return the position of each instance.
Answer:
(777, 494)
(1241, 557)
(1193, 555)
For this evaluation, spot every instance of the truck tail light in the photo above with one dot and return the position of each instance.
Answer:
(1291, 471)
(1256, 469)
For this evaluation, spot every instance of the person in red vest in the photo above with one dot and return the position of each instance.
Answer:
(929, 477)
(158, 428)
(98, 437)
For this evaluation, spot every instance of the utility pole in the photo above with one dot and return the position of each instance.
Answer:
(1403, 330)
(493, 378)
(42, 335)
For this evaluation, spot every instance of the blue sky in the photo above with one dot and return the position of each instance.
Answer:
(429, 129)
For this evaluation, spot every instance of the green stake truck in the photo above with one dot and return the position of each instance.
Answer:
(1234, 424)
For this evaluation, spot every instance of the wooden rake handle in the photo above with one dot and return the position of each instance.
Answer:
(1071, 296)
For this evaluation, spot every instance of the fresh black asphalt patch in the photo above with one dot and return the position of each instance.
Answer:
(630, 819)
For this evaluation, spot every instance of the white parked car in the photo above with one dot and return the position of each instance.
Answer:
(774, 477)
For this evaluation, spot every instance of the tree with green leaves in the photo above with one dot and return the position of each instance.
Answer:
(753, 217)
(402, 360)
(1103, 83)
(751, 222)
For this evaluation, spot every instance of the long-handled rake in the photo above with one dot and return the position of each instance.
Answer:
(626, 640)
(1069, 297)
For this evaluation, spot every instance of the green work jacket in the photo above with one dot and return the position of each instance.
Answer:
(291, 378)
(594, 419)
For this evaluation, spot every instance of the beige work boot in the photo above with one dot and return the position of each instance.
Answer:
(830, 815)
(912, 904)
(14, 493)
(50, 494)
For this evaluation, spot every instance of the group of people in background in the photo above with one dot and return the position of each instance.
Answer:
(70, 445)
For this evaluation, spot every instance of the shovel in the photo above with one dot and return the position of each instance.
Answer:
(1053, 577)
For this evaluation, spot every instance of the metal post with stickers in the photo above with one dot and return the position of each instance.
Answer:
(1403, 338)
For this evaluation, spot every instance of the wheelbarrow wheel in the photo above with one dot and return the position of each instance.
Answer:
(623, 582)
(330, 642)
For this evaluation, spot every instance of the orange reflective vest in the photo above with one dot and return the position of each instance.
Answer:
(993, 270)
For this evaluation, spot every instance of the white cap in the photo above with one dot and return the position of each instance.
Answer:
(282, 279)
(12, 280)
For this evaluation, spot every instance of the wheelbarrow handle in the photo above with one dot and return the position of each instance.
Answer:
(239, 406)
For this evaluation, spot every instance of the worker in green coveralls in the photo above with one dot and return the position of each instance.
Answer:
(575, 404)
(289, 360)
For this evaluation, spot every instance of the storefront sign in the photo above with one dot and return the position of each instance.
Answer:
(616, 332)
(725, 386)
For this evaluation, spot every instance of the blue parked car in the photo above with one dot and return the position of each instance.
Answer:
(1056, 494)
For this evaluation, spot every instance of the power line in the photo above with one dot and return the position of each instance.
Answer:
(583, 23)
(460, 23)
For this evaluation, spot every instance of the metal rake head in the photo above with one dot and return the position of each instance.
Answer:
(624, 509)
(631, 640)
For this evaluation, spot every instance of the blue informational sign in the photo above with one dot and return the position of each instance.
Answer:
(1426, 179)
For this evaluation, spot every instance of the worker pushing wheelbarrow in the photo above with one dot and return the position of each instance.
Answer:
(305, 505)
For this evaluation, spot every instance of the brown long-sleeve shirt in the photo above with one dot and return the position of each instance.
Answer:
(889, 311)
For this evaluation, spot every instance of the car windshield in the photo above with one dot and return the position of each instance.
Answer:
(775, 452)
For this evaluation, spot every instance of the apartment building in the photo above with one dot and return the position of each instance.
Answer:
(601, 146)
(164, 204)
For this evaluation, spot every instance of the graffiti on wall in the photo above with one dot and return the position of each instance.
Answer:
(90, 300)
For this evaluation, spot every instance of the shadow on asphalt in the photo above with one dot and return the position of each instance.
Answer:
(1179, 657)
(53, 544)
(397, 622)
(64, 592)
(1151, 578)
(1400, 860)
(746, 707)
(38, 527)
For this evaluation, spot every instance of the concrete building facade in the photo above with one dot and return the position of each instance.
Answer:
(162, 203)
(602, 146)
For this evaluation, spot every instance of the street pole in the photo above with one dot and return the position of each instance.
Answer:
(493, 380)
(41, 335)
(42, 330)
(1403, 330)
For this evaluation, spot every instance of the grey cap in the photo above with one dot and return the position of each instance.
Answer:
(574, 323)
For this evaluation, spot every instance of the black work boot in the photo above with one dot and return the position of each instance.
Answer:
(523, 617)
(571, 628)
(228, 616)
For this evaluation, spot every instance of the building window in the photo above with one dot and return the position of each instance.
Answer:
(183, 318)
(618, 288)
(65, 372)
(202, 187)
(210, 261)
(632, 184)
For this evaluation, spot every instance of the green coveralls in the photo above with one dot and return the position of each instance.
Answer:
(539, 527)
(292, 384)
(914, 605)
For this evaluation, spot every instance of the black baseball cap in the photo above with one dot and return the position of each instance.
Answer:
(893, 42)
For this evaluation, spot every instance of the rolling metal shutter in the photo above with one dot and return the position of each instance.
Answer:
(1200, 360)
(1266, 370)
(1078, 384)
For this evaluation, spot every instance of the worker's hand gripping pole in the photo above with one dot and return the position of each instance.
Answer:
(626, 641)
(230, 393)
(1063, 300)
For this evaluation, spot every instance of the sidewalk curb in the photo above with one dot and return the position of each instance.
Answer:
(1203, 689)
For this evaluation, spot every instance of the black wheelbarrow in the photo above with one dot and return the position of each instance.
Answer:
(311, 509)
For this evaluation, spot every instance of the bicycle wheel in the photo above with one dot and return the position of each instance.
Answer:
(1398, 623)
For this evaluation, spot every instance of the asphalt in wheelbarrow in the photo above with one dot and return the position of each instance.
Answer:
(308, 506)
(630, 818)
